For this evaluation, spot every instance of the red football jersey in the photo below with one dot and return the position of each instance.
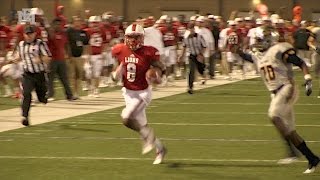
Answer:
(57, 45)
(96, 40)
(135, 64)
(233, 39)
(169, 37)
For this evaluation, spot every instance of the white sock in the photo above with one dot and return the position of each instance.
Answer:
(144, 131)
(158, 144)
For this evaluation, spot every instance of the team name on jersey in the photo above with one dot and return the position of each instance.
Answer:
(131, 60)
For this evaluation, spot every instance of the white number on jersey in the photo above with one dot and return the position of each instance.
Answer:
(233, 38)
(168, 37)
(131, 72)
(96, 40)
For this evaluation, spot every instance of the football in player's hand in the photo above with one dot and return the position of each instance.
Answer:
(153, 75)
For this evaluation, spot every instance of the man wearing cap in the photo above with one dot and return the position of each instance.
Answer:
(34, 54)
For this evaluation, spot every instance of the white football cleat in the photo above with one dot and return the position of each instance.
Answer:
(309, 170)
(312, 166)
(287, 160)
(160, 156)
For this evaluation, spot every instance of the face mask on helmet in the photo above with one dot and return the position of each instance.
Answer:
(263, 44)
(134, 36)
(134, 42)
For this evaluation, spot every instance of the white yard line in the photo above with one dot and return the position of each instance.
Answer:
(141, 159)
(163, 138)
(210, 112)
(184, 124)
(245, 104)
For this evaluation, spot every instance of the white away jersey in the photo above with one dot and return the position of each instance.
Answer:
(274, 70)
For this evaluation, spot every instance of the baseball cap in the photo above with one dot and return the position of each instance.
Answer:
(29, 29)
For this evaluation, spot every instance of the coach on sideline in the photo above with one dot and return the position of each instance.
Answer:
(35, 55)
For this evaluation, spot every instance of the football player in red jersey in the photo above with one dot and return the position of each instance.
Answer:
(94, 63)
(233, 41)
(135, 60)
(5, 34)
(170, 41)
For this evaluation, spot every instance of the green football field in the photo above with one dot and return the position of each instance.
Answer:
(217, 133)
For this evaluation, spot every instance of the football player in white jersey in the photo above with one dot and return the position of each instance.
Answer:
(276, 70)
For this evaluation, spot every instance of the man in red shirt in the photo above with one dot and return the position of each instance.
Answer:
(58, 45)
(135, 60)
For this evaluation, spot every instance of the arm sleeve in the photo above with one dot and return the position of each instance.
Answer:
(246, 56)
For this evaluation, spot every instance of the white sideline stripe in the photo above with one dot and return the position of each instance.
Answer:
(5, 140)
(186, 124)
(199, 112)
(138, 159)
(165, 139)
(248, 104)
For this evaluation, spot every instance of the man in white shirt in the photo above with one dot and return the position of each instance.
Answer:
(201, 29)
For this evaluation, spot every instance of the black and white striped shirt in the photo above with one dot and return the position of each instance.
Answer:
(28, 52)
(195, 43)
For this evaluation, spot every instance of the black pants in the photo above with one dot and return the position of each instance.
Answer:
(212, 65)
(193, 64)
(31, 81)
(59, 68)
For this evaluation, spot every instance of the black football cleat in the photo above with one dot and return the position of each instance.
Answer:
(25, 122)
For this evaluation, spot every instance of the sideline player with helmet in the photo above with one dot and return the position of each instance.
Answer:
(135, 60)
(94, 63)
(276, 70)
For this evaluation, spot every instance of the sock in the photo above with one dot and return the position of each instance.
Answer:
(158, 144)
(303, 148)
(144, 131)
(292, 152)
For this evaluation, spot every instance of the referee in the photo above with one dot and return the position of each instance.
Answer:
(196, 45)
(34, 55)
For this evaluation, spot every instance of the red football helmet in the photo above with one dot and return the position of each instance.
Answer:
(134, 36)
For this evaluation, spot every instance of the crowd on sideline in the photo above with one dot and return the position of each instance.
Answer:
(81, 47)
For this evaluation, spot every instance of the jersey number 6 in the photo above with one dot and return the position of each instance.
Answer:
(131, 72)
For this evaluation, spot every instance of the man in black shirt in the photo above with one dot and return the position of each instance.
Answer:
(77, 39)
(302, 39)
(35, 54)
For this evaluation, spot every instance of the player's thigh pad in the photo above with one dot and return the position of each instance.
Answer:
(230, 57)
(281, 104)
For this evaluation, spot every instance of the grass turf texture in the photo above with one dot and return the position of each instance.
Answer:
(217, 133)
